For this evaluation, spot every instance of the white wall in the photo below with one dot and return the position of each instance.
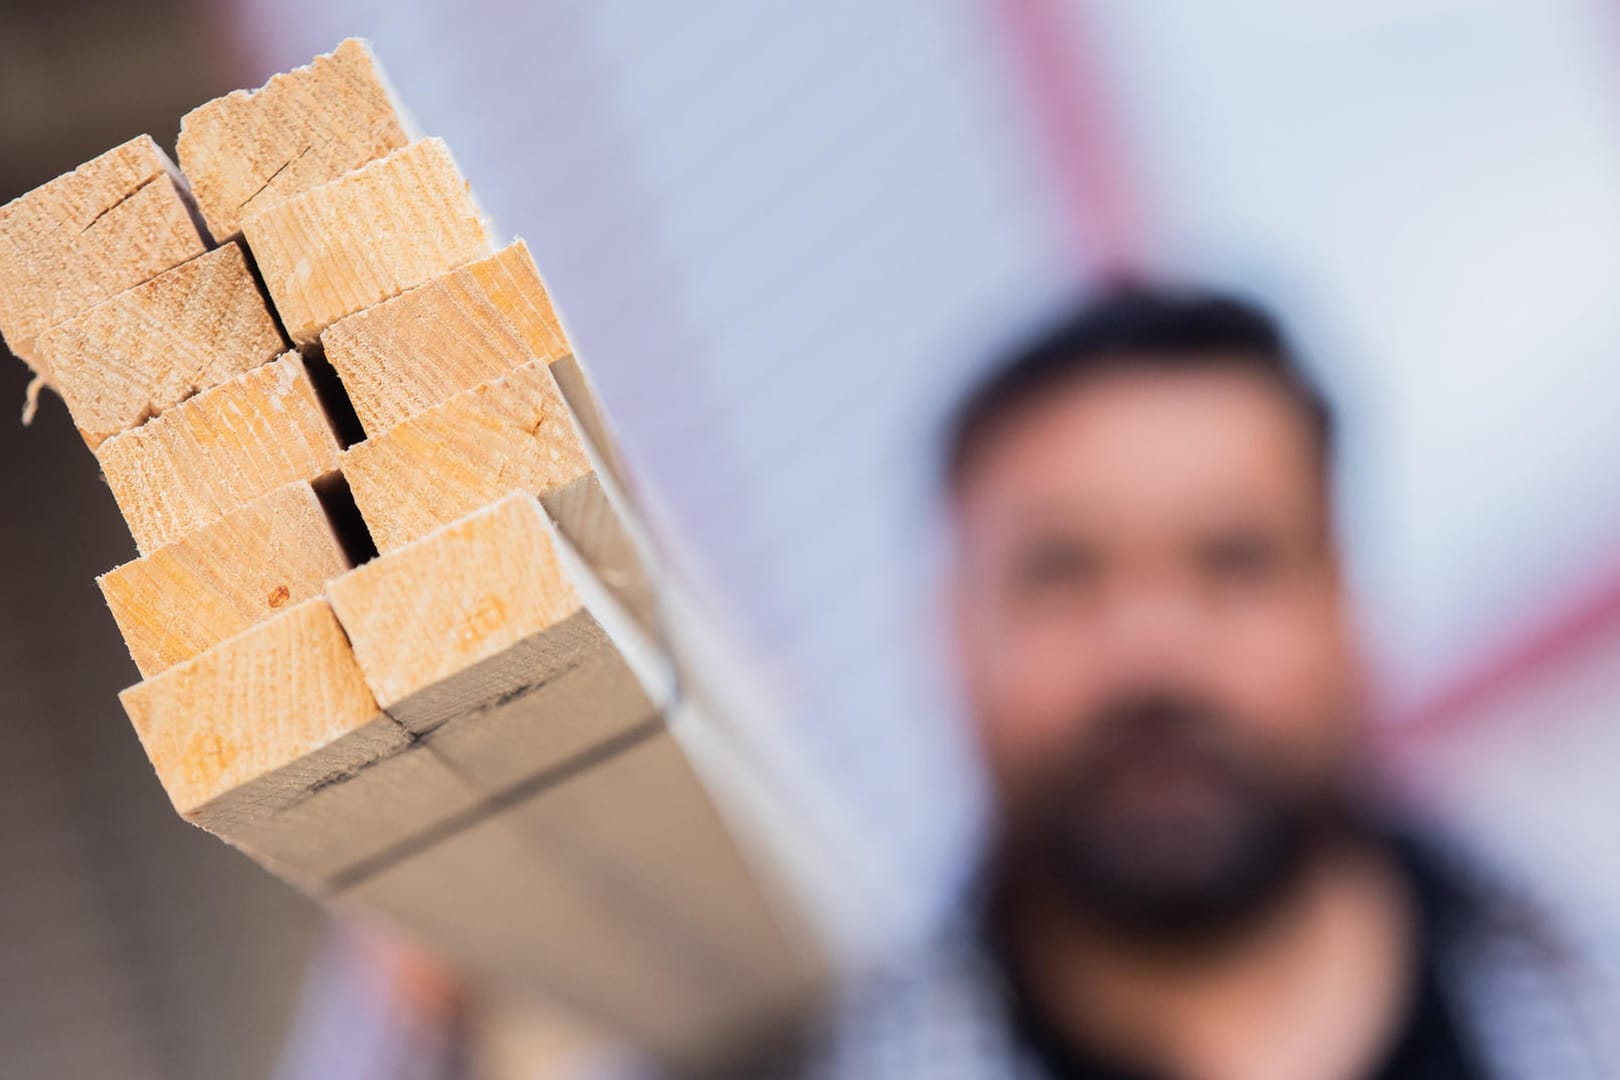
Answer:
(784, 234)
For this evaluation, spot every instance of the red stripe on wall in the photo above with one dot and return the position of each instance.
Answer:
(1060, 71)
(1594, 614)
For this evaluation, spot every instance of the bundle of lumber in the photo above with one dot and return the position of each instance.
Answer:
(395, 620)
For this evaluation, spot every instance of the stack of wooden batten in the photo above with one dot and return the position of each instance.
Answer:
(455, 716)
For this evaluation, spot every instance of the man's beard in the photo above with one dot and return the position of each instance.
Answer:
(1160, 829)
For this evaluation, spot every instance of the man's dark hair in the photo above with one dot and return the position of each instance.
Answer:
(1137, 327)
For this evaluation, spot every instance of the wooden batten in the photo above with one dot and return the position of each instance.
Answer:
(478, 623)
(512, 433)
(369, 235)
(117, 220)
(188, 596)
(272, 741)
(151, 347)
(218, 451)
(478, 731)
(450, 334)
(251, 149)
(487, 643)
(641, 822)
(518, 915)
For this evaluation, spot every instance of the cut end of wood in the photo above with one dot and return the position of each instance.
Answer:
(449, 334)
(117, 220)
(512, 281)
(250, 707)
(460, 595)
(467, 731)
(145, 350)
(510, 433)
(251, 149)
(186, 597)
(217, 451)
(355, 241)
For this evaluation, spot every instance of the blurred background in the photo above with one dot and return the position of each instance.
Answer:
(784, 237)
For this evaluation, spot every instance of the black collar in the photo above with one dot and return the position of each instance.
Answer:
(1429, 1045)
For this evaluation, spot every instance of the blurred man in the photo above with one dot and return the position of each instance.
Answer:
(1154, 639)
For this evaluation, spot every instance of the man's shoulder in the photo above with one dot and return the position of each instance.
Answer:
(1533, 977)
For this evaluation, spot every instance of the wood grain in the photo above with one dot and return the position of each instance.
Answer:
(112, 223)
(512, 433)
(272, 741)
(517, 915)
(445, 336)
(428, 620)
(221, 449)
(369, 235)
(151, 347)
(600, 868)
(251, 149)
(642, 824)
(212, 584)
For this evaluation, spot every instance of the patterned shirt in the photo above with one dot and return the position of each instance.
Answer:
(1521, 995)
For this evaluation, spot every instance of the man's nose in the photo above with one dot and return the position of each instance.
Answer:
(1153, 630)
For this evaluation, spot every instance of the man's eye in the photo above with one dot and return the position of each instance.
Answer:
(1240, 558)
(1056, 566)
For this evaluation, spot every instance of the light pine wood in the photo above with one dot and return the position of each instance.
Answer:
(251, 149)
(474, 638)
(212, 584)
(478, 640)
(228, 724)
(151, 347)
(455, 332)
(511, 281)
(513, 433)
(369, 235)
(271, 741)
(217, 451)
(596, 872)
(510, 433)
(112, 223)
(450, 334)
(517, 915)
(642, 823)
(467, 733)
(476, 615)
